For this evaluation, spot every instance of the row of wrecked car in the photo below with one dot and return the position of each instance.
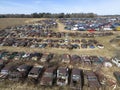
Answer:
(50, 76)
(47, 75)
(38, 25)
(49, 33)
(85, 60)
(51, 43)
(17, 56)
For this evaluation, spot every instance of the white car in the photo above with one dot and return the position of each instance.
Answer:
(26, 55)
(100, 46)
(74, 28)
(116, 61)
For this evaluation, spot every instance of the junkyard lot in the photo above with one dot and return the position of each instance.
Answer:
(108, 51)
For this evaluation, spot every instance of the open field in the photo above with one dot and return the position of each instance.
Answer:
(108, 51)
(6, 22)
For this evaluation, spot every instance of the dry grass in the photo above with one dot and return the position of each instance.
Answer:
(98, 52)
(5, 22)
(9, 85)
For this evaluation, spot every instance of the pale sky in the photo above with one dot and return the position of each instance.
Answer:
(101, 7)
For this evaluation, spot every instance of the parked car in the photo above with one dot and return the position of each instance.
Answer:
(26, 55)
(24, 69)
(76, 46)
(15, 75)
(6, 71)
(92, 80)
(84, 45)
(100, 46)
(42, 45)
(2, 64)
(35, 56)
(35, 72)
(116, 61)
(91, 46)
(75, 59)
(49, 77)
(65, 58)
(62, 76)
(46, 57)
(117, 76)
(76, 82)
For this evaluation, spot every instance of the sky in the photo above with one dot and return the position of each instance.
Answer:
(100, 7)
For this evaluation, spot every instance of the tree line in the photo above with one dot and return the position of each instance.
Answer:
(50, 15)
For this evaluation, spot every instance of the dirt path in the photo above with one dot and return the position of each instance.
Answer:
(60, 27)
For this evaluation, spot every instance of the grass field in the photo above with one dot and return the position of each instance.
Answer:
(5, 22)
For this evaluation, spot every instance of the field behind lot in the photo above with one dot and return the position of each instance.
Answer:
(5, 22)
